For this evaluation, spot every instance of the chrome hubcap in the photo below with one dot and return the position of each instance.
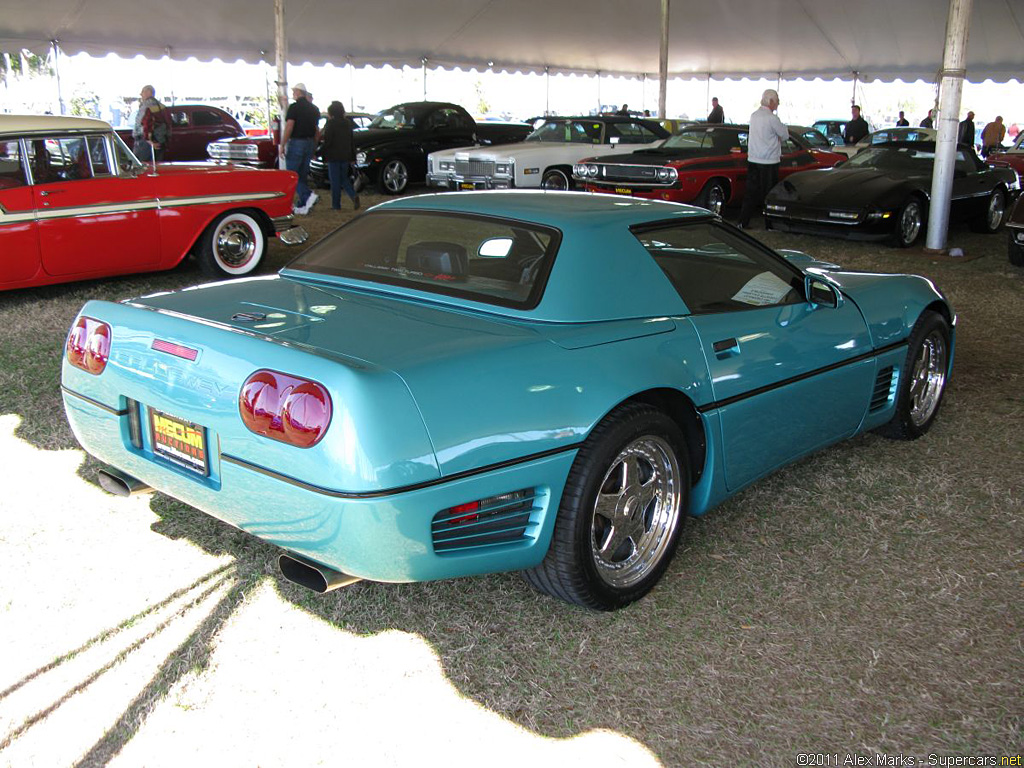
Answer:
(910, 222)
(996, 206)
(636, 512)
(716, 199)
(556, 181)
(236, 244)
(395, 176)
(928, 378)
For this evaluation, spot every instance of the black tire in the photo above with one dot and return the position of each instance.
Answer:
(713, 197)
(991, 219)
(393, 176)
(1016, 250)
(594, 562)
(909, 222)
(556, 179)
(233, 245)
(922, 380)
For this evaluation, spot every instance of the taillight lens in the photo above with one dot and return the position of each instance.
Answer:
(287, 408)
(88, 345)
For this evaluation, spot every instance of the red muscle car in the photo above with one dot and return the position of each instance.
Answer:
(701, 164)
(1009, 158)
(76, 204)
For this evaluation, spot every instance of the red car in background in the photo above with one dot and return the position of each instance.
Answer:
(76, 204)
(702, 164)
(193, 126)
(1009, 158)
(261, 151)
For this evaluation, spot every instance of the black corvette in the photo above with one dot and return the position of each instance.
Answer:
(883, 193)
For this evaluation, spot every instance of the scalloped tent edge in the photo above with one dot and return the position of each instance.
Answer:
(729, 39)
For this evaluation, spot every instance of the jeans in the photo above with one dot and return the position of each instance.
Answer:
(760, 179)
(337, 170)
(297, 155)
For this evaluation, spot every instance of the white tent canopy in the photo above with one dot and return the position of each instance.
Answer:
(876, 39)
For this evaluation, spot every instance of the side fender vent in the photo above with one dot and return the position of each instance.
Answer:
(503, 519)
(884, 390)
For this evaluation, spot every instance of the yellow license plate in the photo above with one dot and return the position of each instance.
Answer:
(623, 191)
(179, 441)
(467, 185)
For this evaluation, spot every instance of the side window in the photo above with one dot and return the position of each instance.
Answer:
(713, 270)
(965, 163)
(634, 133)
(789, 146)
(67, 158)
(12, 169)
(179, 119)
(205, 117)
(462, 121)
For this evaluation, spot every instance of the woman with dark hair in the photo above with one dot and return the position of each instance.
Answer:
(338, 150)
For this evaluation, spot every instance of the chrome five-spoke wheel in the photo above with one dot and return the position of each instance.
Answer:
(636, 511)
(928, 378)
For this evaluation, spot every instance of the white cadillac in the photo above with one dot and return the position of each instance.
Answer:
(545, 158)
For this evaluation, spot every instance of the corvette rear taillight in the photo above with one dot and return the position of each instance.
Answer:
(88, 345)
(286, 408)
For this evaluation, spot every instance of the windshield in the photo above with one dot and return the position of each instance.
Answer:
(393, 118)
(568, 132)
(474, 257)
(718, 139)
(902, 159)
(126, 160)
(815, 139)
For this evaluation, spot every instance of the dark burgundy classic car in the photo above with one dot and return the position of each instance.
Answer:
(194, 126)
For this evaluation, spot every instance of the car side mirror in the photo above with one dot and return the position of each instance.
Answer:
(821, 293)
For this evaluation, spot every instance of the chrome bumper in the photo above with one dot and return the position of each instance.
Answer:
(288, 232)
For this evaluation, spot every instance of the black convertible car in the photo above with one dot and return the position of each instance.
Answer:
(883, 192)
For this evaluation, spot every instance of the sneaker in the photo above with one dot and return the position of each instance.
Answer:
(311, 201)
(355, 203)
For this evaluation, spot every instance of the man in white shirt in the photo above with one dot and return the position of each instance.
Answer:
(764, 152)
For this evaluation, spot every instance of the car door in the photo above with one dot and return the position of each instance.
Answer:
(94, 217)
(207, 125)
(19, 233)
(787, 376)
(795, 158)
(972, 185)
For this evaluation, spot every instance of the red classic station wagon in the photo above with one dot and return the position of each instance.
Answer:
(76, 204)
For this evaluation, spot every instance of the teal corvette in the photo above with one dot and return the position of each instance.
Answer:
(462, 384)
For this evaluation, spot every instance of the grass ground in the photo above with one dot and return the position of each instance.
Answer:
(864, 600)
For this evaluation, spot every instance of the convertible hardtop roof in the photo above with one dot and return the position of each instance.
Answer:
(36, 123)
(565, 211)
(926, 146)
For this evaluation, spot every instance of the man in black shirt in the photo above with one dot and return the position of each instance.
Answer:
(717, 113)
(301, 133)
(929, 121)
(966, 134)
(856, 129)
(902, 122)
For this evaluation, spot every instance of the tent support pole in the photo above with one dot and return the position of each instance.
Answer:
(707, 95)
(547, 91)
(281, 58)
(958, 26)
(853, 95)
(663, 61)
(423, 61)
(351, 85)
(56, 70)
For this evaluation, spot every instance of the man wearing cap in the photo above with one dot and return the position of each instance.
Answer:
(301, 133)
(764, 153)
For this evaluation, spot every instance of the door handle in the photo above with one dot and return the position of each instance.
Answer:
(726, 348)
(48, 192)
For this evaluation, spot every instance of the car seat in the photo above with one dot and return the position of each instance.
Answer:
(435, 257)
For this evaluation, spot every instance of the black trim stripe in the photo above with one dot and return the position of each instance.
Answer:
(401, 489)
(793, 379)
(97, 403)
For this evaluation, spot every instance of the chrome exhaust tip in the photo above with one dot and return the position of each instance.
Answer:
(314, 576)
(119, 484)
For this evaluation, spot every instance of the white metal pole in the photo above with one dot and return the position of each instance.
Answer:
(853, 96)
(707, 95)
(351, 86)
(598, 74)
(281, 56)
(424, 62)
(663, 61)
(958, 26)
(56, 71)
(547, 91)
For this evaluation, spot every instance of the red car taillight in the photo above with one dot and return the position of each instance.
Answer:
(88, 345)
(286, 408)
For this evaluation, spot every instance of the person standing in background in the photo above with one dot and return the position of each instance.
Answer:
(856, 129)
(992, 136)
(152, 129)
(301, 132)
(902, 122)
(966, 133)
(929, 121)
(338, 150)
(764, 153)
(717, 113)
